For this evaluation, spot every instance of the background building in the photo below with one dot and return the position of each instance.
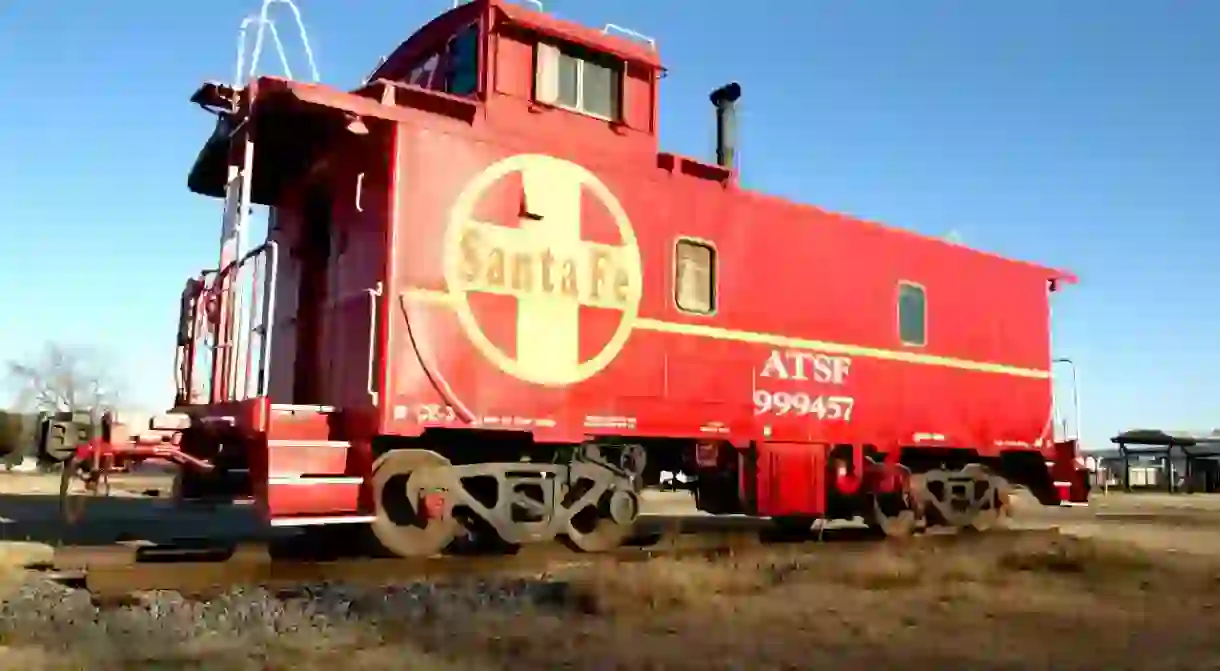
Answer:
(1151, 459)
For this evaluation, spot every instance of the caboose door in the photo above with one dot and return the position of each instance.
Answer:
(355, 271)
(313, 255)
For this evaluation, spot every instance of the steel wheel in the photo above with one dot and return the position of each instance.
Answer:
(594, 529)
(995, 510)
(400, 479)
(892, 515)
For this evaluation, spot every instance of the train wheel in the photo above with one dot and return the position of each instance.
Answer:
(994, 509)
(413, 519)
(604, 526)
(892, 515)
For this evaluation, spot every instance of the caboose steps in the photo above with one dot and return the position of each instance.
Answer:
(309, 467)
(308, 472)
(312, 458)
(301, 496)
(288, 421)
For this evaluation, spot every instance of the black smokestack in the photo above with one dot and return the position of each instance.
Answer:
(725, 100)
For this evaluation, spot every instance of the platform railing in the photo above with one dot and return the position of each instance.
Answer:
(238, 363)
(253, 287)
(194, 351)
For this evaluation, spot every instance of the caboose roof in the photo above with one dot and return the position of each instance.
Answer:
(1052, 274)
(506, 14)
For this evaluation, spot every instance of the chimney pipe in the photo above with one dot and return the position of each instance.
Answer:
(725, 99)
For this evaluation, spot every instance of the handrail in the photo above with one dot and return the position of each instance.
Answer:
(264, 356)
(652, 42)
(374, 298)
(215, 286)
(235, 267)
(264, 22)
(239, 75)
(1076, 433)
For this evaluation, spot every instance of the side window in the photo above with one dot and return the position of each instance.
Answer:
(462, 66)
(912, 314)
(579, 80)
(695, 277)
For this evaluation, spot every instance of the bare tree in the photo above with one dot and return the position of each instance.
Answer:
(65, 379)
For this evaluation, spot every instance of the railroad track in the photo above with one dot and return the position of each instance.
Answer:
(115, 575)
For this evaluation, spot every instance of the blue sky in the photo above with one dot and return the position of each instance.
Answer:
(1081, 134)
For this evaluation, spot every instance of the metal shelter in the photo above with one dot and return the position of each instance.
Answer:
(1191, 450)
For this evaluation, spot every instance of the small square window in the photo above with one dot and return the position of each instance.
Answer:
(912, 314)
(695, 277)
(579, 80)
(569, 81)
(598, 90)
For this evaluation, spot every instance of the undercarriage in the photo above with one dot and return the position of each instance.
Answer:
(453, 490)
(424, 502)
(970, 498)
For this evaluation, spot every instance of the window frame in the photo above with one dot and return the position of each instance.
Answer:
(713, 280)
(923, 294)
(582, 55)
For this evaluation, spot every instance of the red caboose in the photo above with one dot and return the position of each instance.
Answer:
(489, 304)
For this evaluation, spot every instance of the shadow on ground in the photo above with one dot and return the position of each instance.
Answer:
(36, 518)
(110, 520)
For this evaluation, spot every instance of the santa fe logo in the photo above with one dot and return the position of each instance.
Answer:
(546, 266)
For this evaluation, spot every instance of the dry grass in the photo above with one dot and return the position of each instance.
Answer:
(974, 603)
(295, 653)
(674, 584)
(1000, 601)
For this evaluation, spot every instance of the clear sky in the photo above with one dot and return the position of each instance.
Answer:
(1081, 134)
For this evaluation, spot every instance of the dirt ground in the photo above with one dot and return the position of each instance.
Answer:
(1132, 582)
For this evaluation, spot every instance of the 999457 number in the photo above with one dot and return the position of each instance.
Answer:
(800, 404)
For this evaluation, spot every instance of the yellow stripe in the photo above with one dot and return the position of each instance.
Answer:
(776, 340)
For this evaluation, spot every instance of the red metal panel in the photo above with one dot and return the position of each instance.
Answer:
(307, 458)
(794, 282)
(299, 499)
(298, 423)
(791, 479)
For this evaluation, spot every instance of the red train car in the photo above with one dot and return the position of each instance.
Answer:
(489, 304)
